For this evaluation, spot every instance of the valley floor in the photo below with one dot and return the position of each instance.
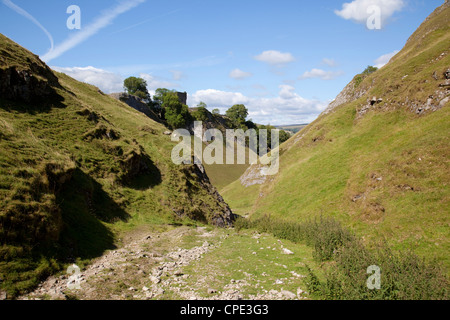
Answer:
(190, 263)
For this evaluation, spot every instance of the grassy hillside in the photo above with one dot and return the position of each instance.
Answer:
(76, 167)
(381, 167)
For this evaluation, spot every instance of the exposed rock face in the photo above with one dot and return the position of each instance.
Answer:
(350, 93)
(23, 76)
(223, 217)
(136, 103)
(447, 74)
(29, 85)
(134, 164)
(252, 176)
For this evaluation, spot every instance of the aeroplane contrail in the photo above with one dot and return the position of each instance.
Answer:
(22, 12)
(86, 32)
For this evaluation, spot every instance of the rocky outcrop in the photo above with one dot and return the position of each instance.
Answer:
(371, 103)
(447, 74)
(133, 164)
(221, 216)
(23, 76)
(253, 176)
(212, 121)
(27, 85)
(136, 103)
(349, 94)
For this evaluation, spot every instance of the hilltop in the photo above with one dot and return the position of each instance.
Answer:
(78, 167)
(377, 159)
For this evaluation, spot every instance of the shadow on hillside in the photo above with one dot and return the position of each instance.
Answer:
(146, 176)
(84, 206)
(34, 106)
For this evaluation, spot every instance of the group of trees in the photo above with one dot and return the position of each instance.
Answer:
(238, 115)
(167, 105)
(137, 87)
(201, 114)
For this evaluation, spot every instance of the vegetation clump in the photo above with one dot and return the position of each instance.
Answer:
(360, 77)
(404, 276)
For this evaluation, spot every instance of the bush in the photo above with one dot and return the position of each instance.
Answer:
(404, 276)
(369, 70)
(358, 81)
(177, 114)
(326, 235)
(201, 114)
(360, 77)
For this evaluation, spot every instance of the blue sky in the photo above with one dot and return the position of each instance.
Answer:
(284, 59)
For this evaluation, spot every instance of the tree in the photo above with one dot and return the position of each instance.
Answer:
(201, 114)
(237, 113)
(250, 124)
(215, 112)
(283, 136)
(369, 70)
(137, 87)
(177, 114)
(360, 77)
(158, 97)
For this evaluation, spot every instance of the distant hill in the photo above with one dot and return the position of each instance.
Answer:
(378, 159)
(293, 128)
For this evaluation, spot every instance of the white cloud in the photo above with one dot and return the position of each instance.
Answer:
(22, 12)
(321, 74)
(287, 92)
(239, 74)
(218, 98)
(106, 81)
(329, 62)
(110, 82)
(274, 57)
(177, 74)
(88, 31)
(287, 108)
(154, 83)
(357, 10)
(384, 59)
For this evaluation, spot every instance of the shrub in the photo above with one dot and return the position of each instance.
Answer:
(176, 113)
(404, 276)
(360, 77)
(326, 235)
(369, 70)
(201, 114)
(358, 81)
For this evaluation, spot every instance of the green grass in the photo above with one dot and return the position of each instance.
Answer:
(77, 170)
(345, 259)
(384, 174)
(256, 261)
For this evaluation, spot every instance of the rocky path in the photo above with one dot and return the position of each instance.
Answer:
(153, 265)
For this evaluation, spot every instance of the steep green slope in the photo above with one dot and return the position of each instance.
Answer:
(378, 158)
(75, 167)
